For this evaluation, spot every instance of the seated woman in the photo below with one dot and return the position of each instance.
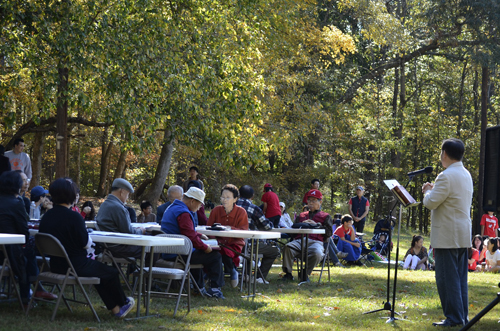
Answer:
(473, 259)
(69, 228)
(228, 214)
(285, 220)
(146, 215)
(492, 256)
(88, 211)
(477, 243)
(14, 220)
(348, 242)
(416, 257)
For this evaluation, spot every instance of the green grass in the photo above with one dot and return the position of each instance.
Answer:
(338, 305)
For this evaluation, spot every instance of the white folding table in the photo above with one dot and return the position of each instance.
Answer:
(246, 234)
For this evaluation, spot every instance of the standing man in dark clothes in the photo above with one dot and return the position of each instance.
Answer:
(193, 175)
(178, 219)
(257, 221)
(358, 209)
(271, 202)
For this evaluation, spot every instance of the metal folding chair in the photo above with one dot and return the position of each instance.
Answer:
(49, 245)
(170, 274)
(7, 276)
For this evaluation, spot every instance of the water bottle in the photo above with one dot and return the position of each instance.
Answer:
(32, 210)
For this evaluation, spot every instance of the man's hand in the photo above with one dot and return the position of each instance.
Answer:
(208, 250)
(309, 222)
(203, 237)
(426, 187)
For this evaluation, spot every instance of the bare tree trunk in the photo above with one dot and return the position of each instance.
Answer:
(461, 101)
(78, 160)
(36, 161)
(105, 159)
(122, 163)
(156, 188)
(476, 99)
(62, 122)
(484, 120)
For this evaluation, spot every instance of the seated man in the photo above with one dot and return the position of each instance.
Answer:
(315, 248)
(257, 221)
(173, 192)
(114, 217)
(178, 219)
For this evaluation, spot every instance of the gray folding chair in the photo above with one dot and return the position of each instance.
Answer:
(7, 276)
(181, 274)
(49, 245)
(324, 262)
(107, 257)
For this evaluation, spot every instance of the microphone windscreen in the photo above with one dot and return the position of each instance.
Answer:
(428, 170)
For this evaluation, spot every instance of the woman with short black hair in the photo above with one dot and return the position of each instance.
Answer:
(69, 227)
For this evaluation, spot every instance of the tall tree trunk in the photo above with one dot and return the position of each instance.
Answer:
(62, 122)
(484, 120)
(395, 160)
(68, 151)
(36, 159)
(78, 160)
(461, 100)
(156, 188)
(122, 163)
(475, 93)
(105, 159)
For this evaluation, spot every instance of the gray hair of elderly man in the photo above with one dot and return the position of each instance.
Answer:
(174, 192)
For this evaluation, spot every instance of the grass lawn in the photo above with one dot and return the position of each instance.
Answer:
(338, 305)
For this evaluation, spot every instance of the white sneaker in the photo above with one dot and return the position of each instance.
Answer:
(262, 281)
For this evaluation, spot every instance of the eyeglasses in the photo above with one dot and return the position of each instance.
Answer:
(223, 198)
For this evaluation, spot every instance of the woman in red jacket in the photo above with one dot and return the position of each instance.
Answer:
(228, 214)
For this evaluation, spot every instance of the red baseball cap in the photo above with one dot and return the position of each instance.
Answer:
(315, 194)
(266, 186)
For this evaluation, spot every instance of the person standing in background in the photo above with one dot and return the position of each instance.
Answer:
(271, 209)
(18, 159)
(358, 208)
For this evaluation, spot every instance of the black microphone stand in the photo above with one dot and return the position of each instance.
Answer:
(387, 304)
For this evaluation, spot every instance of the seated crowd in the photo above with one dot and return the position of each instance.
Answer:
(59, 214)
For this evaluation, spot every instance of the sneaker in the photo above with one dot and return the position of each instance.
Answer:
(342, 255)
(262, 281)
(126, 308)
(214, 293)
(287, 277)
(338, 264)
(234, 278)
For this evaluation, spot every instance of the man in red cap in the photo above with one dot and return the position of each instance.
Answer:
(271, 209)
(315, 248)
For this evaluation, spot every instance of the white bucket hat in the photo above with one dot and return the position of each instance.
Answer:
(195, 193)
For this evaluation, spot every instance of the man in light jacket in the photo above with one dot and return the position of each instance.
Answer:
(449, 200)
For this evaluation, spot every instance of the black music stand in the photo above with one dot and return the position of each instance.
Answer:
(405, 200)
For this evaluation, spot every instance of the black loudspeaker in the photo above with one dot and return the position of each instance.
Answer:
(491, 192)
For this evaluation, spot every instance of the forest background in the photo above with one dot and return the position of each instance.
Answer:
(351, 92)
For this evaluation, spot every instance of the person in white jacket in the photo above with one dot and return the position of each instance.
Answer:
(449, 198)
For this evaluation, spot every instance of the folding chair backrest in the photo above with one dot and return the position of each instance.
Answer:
(185, 249)
(48, 245)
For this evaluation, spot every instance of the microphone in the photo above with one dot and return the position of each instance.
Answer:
(426, 170)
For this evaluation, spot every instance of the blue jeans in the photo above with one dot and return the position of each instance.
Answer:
(353, 252)
(451, 281)
(332, 251)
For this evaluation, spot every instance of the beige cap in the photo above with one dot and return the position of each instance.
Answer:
(195, 193)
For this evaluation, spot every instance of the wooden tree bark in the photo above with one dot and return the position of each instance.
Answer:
(122, 163)
(105, 159)
(36, 159)
(62, 122)
(156, 188)
(484, 122)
